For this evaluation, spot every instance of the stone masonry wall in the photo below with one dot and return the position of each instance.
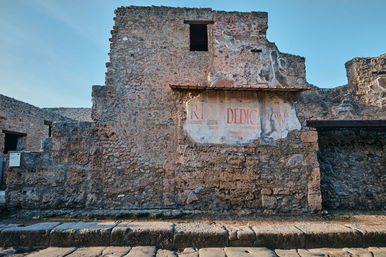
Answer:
(151, 146)
(143, 166)
(57, 177)
(353, 165)
(151, 44)
(369, 77)
(21, 117)
(147, 158)
(78, 114)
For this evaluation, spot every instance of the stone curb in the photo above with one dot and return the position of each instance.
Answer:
(182, 235)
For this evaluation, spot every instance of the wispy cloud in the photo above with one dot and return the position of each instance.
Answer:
(19, 38)
(62, 13)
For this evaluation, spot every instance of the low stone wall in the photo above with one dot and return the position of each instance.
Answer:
(353, 168)
(56, 177)
(68, 174)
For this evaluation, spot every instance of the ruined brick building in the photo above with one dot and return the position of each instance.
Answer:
(24, 126)
(200, 111)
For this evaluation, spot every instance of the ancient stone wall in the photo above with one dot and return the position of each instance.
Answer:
(78, 114)
(368, 75)
(353, 168)
(217, 130)
(58, 177)
(157, 147)
(151, 44)
(20, 117)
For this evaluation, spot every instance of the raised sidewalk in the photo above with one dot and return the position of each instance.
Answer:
(197, 235)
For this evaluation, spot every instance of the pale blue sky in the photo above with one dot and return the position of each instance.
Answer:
(52, 51)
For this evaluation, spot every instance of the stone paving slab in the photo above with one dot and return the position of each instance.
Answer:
(331, 252)
(53, 252)
(159, 234)
(87, 252)
(142, 251)
(331, 235)
(362, 252)
(166, 253)
(115, 251)
(82, 234)
(287, 253)
(372, 235)
(308, 253)
(151, 251)
(188, 252)
(211, 252)
(36, 235)
(199, 235)
(279, 236)
(249, 252)
(378, 251)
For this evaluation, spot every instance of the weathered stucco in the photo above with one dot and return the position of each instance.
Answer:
(237, 118)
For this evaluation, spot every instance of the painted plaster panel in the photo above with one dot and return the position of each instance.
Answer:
(238, 118)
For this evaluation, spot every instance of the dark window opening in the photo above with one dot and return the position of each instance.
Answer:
(254, 50)
(13, 141)
(49, 124)
(198, 37)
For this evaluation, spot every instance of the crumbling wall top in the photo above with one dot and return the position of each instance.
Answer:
(157, 45)
(367, 78)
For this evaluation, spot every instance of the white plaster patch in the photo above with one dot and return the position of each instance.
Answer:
(278, 118)
(238, 118)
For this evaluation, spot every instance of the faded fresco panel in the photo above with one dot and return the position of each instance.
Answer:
(223, 119)
(238, 118)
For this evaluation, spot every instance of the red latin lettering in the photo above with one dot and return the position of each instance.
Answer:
(229, 115)
(197, 113)
(241, 116)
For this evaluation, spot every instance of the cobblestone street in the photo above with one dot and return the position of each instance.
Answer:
(149, 251)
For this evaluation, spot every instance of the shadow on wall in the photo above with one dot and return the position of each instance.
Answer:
(353, 168)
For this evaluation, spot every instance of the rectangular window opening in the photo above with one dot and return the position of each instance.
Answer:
(13, 141)
(198, 37)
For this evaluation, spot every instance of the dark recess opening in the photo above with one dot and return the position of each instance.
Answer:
(49, 124)
(10, 143)
(13, 141)
(256, 50)
(198, 37)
